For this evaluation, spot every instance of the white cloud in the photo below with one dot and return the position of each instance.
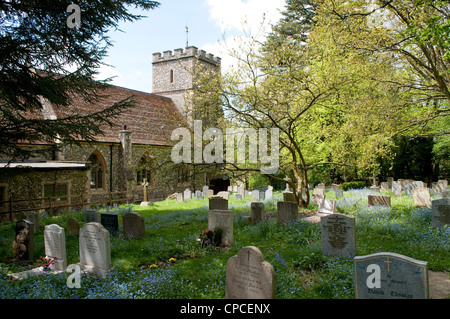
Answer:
(238, 20)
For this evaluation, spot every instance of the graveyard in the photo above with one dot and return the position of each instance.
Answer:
(165, 249)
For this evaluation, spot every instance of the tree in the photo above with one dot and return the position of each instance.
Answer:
(43, 60)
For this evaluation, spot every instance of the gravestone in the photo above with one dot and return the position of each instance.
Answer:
(338, 235)
(378, 200)
(34, 218)
(222, 219)
(187, 194)
(144, 185)
(437, 187)
(235, 188)
(261, 195)
(384, 186)
(73, 227)
(421, 197)
(288, 196)
(23, 244)
(255, 195)
(287, 212)
(133, 225)
(209, 193)
(338, 193)
(199, 194)
(241, 191)
(91, 216)
(444, 183)
(248, 276)
(230, 189)
(318, 194)
(389, 181)
(445, 194)
(110, 222)
(327, 206)
(218, 203)
(269, 193)
(179, 197)
(205, 190)
(390, 276)
(440, 212)
(375, 189)
(224, 195)
(95, 250)
(396, 188)
(257, 212)
(55, 246)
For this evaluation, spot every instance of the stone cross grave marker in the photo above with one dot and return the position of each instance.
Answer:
(390, 276)
(73, 227)
(286, 212)
(248, 276)
(222, 219)
(421, 196)
(218, 203)
(110, 222)
(327, 206)
(95, 249)
(378, 200)
(55, 246)
(133, 225)
(145, 191)
(440, 212)
(23, 244)
(338, 235)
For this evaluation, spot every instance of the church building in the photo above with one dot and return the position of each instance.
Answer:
(133, 153)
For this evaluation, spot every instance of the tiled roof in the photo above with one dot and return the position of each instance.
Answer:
(151, 120)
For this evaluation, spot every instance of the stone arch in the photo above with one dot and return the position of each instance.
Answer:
(98, 173)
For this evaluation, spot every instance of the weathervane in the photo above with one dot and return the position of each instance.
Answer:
(187, 36)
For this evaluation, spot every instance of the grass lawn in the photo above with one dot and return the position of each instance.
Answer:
(145, 268)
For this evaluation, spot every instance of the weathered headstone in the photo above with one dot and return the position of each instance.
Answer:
(222, 219)
(257, 212)
(261, 195)
(187, 194)
(224, 195)
(255, 195)
(421, 196)
(384, 186)
(396, 188)
(440, 212)
(55, 246)
(23, 244)
(445, 193)
(288, 196)
(199, 194)
(110, 222)
(73, 227)
(389, 181)
(376, 200)
(327, 206)
(444, 183)
(438, 187)
(205, 190)
(179, 197)
(248, 276)
(209, 193)
(218, 203)
(133, 225)
(287, 212)
(34, 218)
(390, 276)
(91, 216)
(338, 193)
(95, 250)
(318, 194)
(338, 235)
(241, 191)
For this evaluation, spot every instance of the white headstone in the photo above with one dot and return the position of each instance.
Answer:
(255, 195)
(396, 188)
(222, 219)
(187, 194)
(95, 250)
(421, 196)
(55, 246)
(327, 206)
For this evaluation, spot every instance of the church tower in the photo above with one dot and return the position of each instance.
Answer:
(173, 73)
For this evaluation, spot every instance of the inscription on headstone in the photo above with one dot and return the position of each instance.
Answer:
(95, 250)
(286, 212)
(338, 235)
(55, 246)
(390, 276)
(248, 276)
(133, 225)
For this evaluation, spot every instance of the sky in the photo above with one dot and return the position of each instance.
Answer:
(213, 26)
